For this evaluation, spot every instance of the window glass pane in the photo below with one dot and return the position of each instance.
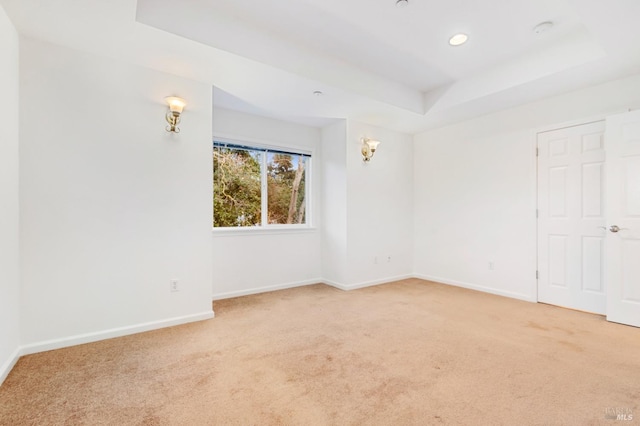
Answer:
(286, 188)
(236, 187)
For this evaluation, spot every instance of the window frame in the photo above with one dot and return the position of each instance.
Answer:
(265, 227)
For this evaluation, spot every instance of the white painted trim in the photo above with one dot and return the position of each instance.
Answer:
(348, 287)
(533, 136)
(251, 231)
(9, 364)
(477, 287)
(335, 285)
(109, 334)
(575, 123)
(257, 290)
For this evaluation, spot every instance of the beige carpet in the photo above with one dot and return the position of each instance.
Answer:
(406, 353)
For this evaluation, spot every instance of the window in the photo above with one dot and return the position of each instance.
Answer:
(254, 186)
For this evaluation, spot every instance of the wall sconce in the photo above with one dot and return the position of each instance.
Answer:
(369, 147)
(176, 106)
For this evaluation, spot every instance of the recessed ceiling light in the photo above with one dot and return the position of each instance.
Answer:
(402, 3)
(458, 39)
(542, 27)
(318, 93)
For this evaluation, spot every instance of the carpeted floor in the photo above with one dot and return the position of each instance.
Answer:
(406, 353)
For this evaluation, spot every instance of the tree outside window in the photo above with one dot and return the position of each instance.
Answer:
(258, 187)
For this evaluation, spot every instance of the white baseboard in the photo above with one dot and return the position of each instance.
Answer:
(335, 284)
(109, 334)
(257, 290)
(6, 368)
(484, 289)
(347, 287)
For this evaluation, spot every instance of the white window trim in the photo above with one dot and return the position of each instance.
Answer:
(266, 228)
(260, 230)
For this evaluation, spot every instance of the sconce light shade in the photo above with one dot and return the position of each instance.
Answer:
(176, 105)
(369, 147)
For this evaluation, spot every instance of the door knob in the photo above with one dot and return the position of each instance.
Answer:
(616, 228)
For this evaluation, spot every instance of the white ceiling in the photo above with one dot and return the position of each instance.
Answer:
(375, 62)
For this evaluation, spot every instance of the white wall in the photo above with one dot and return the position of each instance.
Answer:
(366, 212)
(112, 206)
(474, 205)
(367, 234)
(475, 191)
(380, 207)
(334, 203)
(9, 201)
(278, 259)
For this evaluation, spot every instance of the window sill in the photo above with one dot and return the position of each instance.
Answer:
(272, 230)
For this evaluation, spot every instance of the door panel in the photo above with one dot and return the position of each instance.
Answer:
(631, 194)
(571, 216)
(623, 210)
(592, 264)
(630, 270)
(558, 260)
(592, 179)
(558, 192)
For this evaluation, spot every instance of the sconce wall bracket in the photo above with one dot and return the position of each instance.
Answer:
(173, 118)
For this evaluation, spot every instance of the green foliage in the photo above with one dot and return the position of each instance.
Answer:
(237, 188)
(285, 183)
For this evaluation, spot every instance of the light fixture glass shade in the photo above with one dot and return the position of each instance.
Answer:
(369, 147)
(373, 145)
(175, 104)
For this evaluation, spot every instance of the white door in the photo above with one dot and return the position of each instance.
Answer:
(571, 217)
(623, 214)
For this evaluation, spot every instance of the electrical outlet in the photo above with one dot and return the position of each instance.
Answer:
(491, 266)
(174, 285)
(389, 259)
